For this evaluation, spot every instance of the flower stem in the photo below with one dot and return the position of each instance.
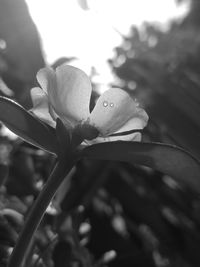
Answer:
(35, 216)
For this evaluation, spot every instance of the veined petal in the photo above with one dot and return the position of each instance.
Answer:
(72, 95)
(114, 110)
(41, 106)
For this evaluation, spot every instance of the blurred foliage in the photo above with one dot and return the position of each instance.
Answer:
(20, 52)
(162, 69)
(120, 214)
(192, 19)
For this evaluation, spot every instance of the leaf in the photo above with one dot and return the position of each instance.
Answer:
(26, 126)
(168, 159)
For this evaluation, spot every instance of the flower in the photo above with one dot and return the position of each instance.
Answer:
(66, 92)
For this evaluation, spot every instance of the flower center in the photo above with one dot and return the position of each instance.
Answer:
(88, 131)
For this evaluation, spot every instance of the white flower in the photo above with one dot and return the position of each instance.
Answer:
(66, 92)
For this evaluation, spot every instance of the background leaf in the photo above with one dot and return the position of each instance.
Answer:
(26, 126)
(168, 159)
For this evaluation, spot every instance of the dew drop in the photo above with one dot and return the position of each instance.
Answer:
(105, 103)
(111, 105)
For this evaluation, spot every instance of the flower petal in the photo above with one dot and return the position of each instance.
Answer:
(138, 122)
(115, 111)
(131, 137)
(41, 106)
(72, 97)
(47, 79)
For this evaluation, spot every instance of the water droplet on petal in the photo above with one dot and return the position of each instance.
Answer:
(105, 103)
(111, 105)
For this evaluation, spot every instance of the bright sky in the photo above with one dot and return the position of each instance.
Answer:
(68, 30)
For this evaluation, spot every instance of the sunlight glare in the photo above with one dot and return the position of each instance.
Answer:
(67, 30)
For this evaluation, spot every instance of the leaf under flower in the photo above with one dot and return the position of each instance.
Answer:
(168, 159)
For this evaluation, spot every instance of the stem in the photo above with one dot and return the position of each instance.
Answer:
(39, 207)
